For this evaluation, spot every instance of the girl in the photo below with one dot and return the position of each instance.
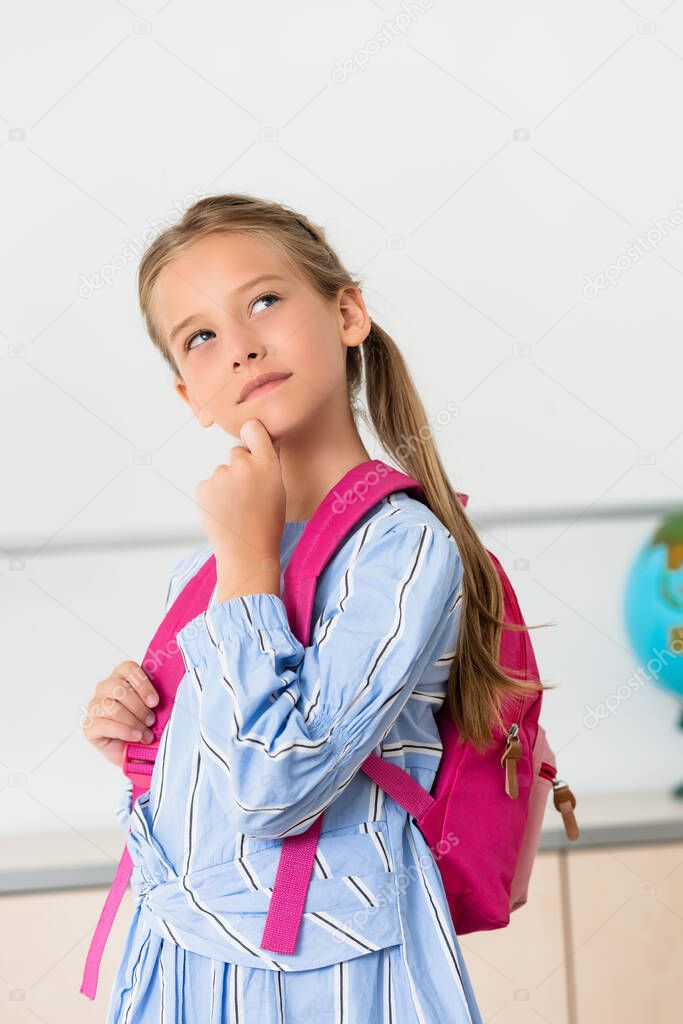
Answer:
(265, 734)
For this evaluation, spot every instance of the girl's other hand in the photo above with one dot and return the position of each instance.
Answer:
(121, 711)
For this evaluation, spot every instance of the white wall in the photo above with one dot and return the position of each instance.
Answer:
(478, 168)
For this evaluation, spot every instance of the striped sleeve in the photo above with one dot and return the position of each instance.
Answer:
(282, 760)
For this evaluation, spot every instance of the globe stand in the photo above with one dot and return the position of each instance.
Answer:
(678, 790)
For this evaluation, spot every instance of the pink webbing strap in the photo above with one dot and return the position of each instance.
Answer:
(106, 920)
(348, 501)
(405, 790)
(163, 664)
(291, 885)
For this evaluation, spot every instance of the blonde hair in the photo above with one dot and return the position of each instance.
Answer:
(477, 687)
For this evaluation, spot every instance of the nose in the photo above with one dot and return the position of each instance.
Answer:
(242, 346)
(249, 356)
(242, 356)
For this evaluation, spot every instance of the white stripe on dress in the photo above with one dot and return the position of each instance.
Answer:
(163, 1017)
(341, 994)
(400, 748)
(362, 891)
(162, 776)
(387, 991)
(213, 992)
(280, 997)
(134, 978)
(429, 698)
(322, 862)
(246, 869)
(236, 1008)
(380, 843)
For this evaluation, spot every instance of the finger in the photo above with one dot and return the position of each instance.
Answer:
(110, 729)
(257, 439)
(109, 708)
(120, 688)
(138, 679)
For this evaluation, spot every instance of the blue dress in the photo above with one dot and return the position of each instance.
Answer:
(264, 735)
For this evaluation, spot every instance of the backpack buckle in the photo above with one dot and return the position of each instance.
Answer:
(138, 763)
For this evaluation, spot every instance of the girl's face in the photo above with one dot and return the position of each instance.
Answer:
(224, 327)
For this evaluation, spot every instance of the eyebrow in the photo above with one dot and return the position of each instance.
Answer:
(240, 288)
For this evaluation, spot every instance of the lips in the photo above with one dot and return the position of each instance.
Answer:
(256, 382)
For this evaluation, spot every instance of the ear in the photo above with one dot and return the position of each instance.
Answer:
(355, 321)
(199, 410)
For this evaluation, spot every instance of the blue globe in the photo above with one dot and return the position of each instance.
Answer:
(653, 605)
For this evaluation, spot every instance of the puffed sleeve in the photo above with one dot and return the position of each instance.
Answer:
(280, 764)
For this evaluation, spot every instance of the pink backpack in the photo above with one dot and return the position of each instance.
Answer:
(483, 816)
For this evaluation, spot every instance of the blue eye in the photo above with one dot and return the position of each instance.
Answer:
(188, 347)
(267, 295)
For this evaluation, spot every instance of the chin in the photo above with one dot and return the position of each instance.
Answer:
(279, 421)
(283, 421)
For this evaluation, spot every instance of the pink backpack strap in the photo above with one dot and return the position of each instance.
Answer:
(106, 920)
(356, 493)
(413, 797)
(163, 663)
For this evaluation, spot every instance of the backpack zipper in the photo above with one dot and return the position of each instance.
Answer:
(563, 798)
(513, 751)
(511, 755)
(565, 802)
